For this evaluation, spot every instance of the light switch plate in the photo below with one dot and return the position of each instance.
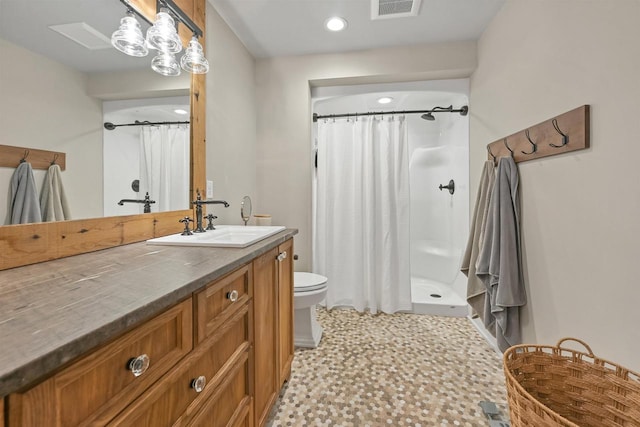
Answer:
(209, 189)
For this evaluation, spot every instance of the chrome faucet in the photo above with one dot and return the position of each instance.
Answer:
(147, 202)
(198, 203)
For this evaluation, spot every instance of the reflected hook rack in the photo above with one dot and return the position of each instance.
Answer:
(11, 157)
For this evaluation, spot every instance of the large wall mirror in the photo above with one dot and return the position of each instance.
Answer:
(55, 94)
(58, 91)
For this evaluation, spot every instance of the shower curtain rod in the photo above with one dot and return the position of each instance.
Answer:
(111, 126)
(464, 110)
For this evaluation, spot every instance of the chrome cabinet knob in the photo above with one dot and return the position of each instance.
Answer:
(281, 256)
(232, 296)
(199, 383)
(139, 365)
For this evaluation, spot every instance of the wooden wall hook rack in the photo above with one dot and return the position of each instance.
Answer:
(10, 157)
(560, 134)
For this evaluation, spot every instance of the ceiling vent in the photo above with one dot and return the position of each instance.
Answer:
(385, 9)
(84, 35)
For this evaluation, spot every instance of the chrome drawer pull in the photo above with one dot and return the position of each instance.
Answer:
(199, 383)
(139, 365)
(232, 296)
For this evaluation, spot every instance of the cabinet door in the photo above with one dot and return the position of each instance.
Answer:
(265, 301)
(219, 364)
(285, 310)
(98, 386)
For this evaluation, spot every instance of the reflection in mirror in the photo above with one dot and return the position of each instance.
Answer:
(245, 209)
(53, 95)
(154, 156)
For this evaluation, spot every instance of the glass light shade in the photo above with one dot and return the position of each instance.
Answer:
(193, 59)
(165, 63)
(128, 38)
(162, 35)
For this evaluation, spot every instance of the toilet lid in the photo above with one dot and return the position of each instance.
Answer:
(307, 282)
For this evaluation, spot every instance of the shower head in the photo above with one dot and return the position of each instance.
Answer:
(109, 126)
(428, 116)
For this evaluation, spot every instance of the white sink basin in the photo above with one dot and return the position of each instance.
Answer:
(224, 236)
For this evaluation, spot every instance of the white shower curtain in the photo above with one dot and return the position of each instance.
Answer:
(164, 166)
(362, 213)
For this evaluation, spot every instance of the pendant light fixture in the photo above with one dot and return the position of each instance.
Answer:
(193, 59)
(162, 36)
(128, 38)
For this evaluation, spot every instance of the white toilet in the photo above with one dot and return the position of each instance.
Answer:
(309, 289)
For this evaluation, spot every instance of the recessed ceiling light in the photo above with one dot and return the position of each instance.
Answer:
(335, 24)
(180, 111)
(385, 100)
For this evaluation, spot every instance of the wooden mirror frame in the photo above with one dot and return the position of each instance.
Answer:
(25, 244)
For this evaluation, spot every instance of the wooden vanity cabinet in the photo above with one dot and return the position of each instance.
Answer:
(218, 358)
(97, 387)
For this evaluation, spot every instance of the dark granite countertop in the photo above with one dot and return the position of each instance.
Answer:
(55, 311)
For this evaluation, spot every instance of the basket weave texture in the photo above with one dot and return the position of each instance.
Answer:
(551, 386)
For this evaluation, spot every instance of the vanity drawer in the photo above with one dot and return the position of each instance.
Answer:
(175, 399)
(220, 299)
(96, 388)
(231, 404)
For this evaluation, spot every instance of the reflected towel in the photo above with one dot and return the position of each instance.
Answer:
(53, 202)
(24, 196)
(476, 289)
(499, 263)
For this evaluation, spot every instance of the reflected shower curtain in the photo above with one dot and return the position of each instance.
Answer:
(362, 213)
(164, 166)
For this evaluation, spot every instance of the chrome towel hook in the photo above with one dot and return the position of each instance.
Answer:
(491, 154)
(535, 146)
(508, 148)
(565, 138)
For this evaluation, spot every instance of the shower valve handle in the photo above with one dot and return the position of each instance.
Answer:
(451, 186)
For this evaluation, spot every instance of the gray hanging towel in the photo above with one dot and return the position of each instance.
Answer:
(24, 196)
(499, 263)
(476, 289)
(53, 202)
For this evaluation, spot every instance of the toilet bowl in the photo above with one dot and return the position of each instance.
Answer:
(308, 290)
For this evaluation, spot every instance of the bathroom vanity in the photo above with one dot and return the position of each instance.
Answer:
(148, 336)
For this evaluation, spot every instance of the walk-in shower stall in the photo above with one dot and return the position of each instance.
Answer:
(438, 157)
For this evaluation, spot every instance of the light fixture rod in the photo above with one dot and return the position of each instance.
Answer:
(178, 13)
(134, 10)
(464, 110)
(175, 11)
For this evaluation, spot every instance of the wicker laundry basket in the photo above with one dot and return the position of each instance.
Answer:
(554, 386)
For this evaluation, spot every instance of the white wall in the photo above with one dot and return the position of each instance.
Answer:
(231, 120)
(284, 157)
(580, 211)
(45, 106)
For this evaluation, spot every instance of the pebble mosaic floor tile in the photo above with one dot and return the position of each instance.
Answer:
(392, 370)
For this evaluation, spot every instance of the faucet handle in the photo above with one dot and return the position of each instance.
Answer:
(211, 217)
(186, 220)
